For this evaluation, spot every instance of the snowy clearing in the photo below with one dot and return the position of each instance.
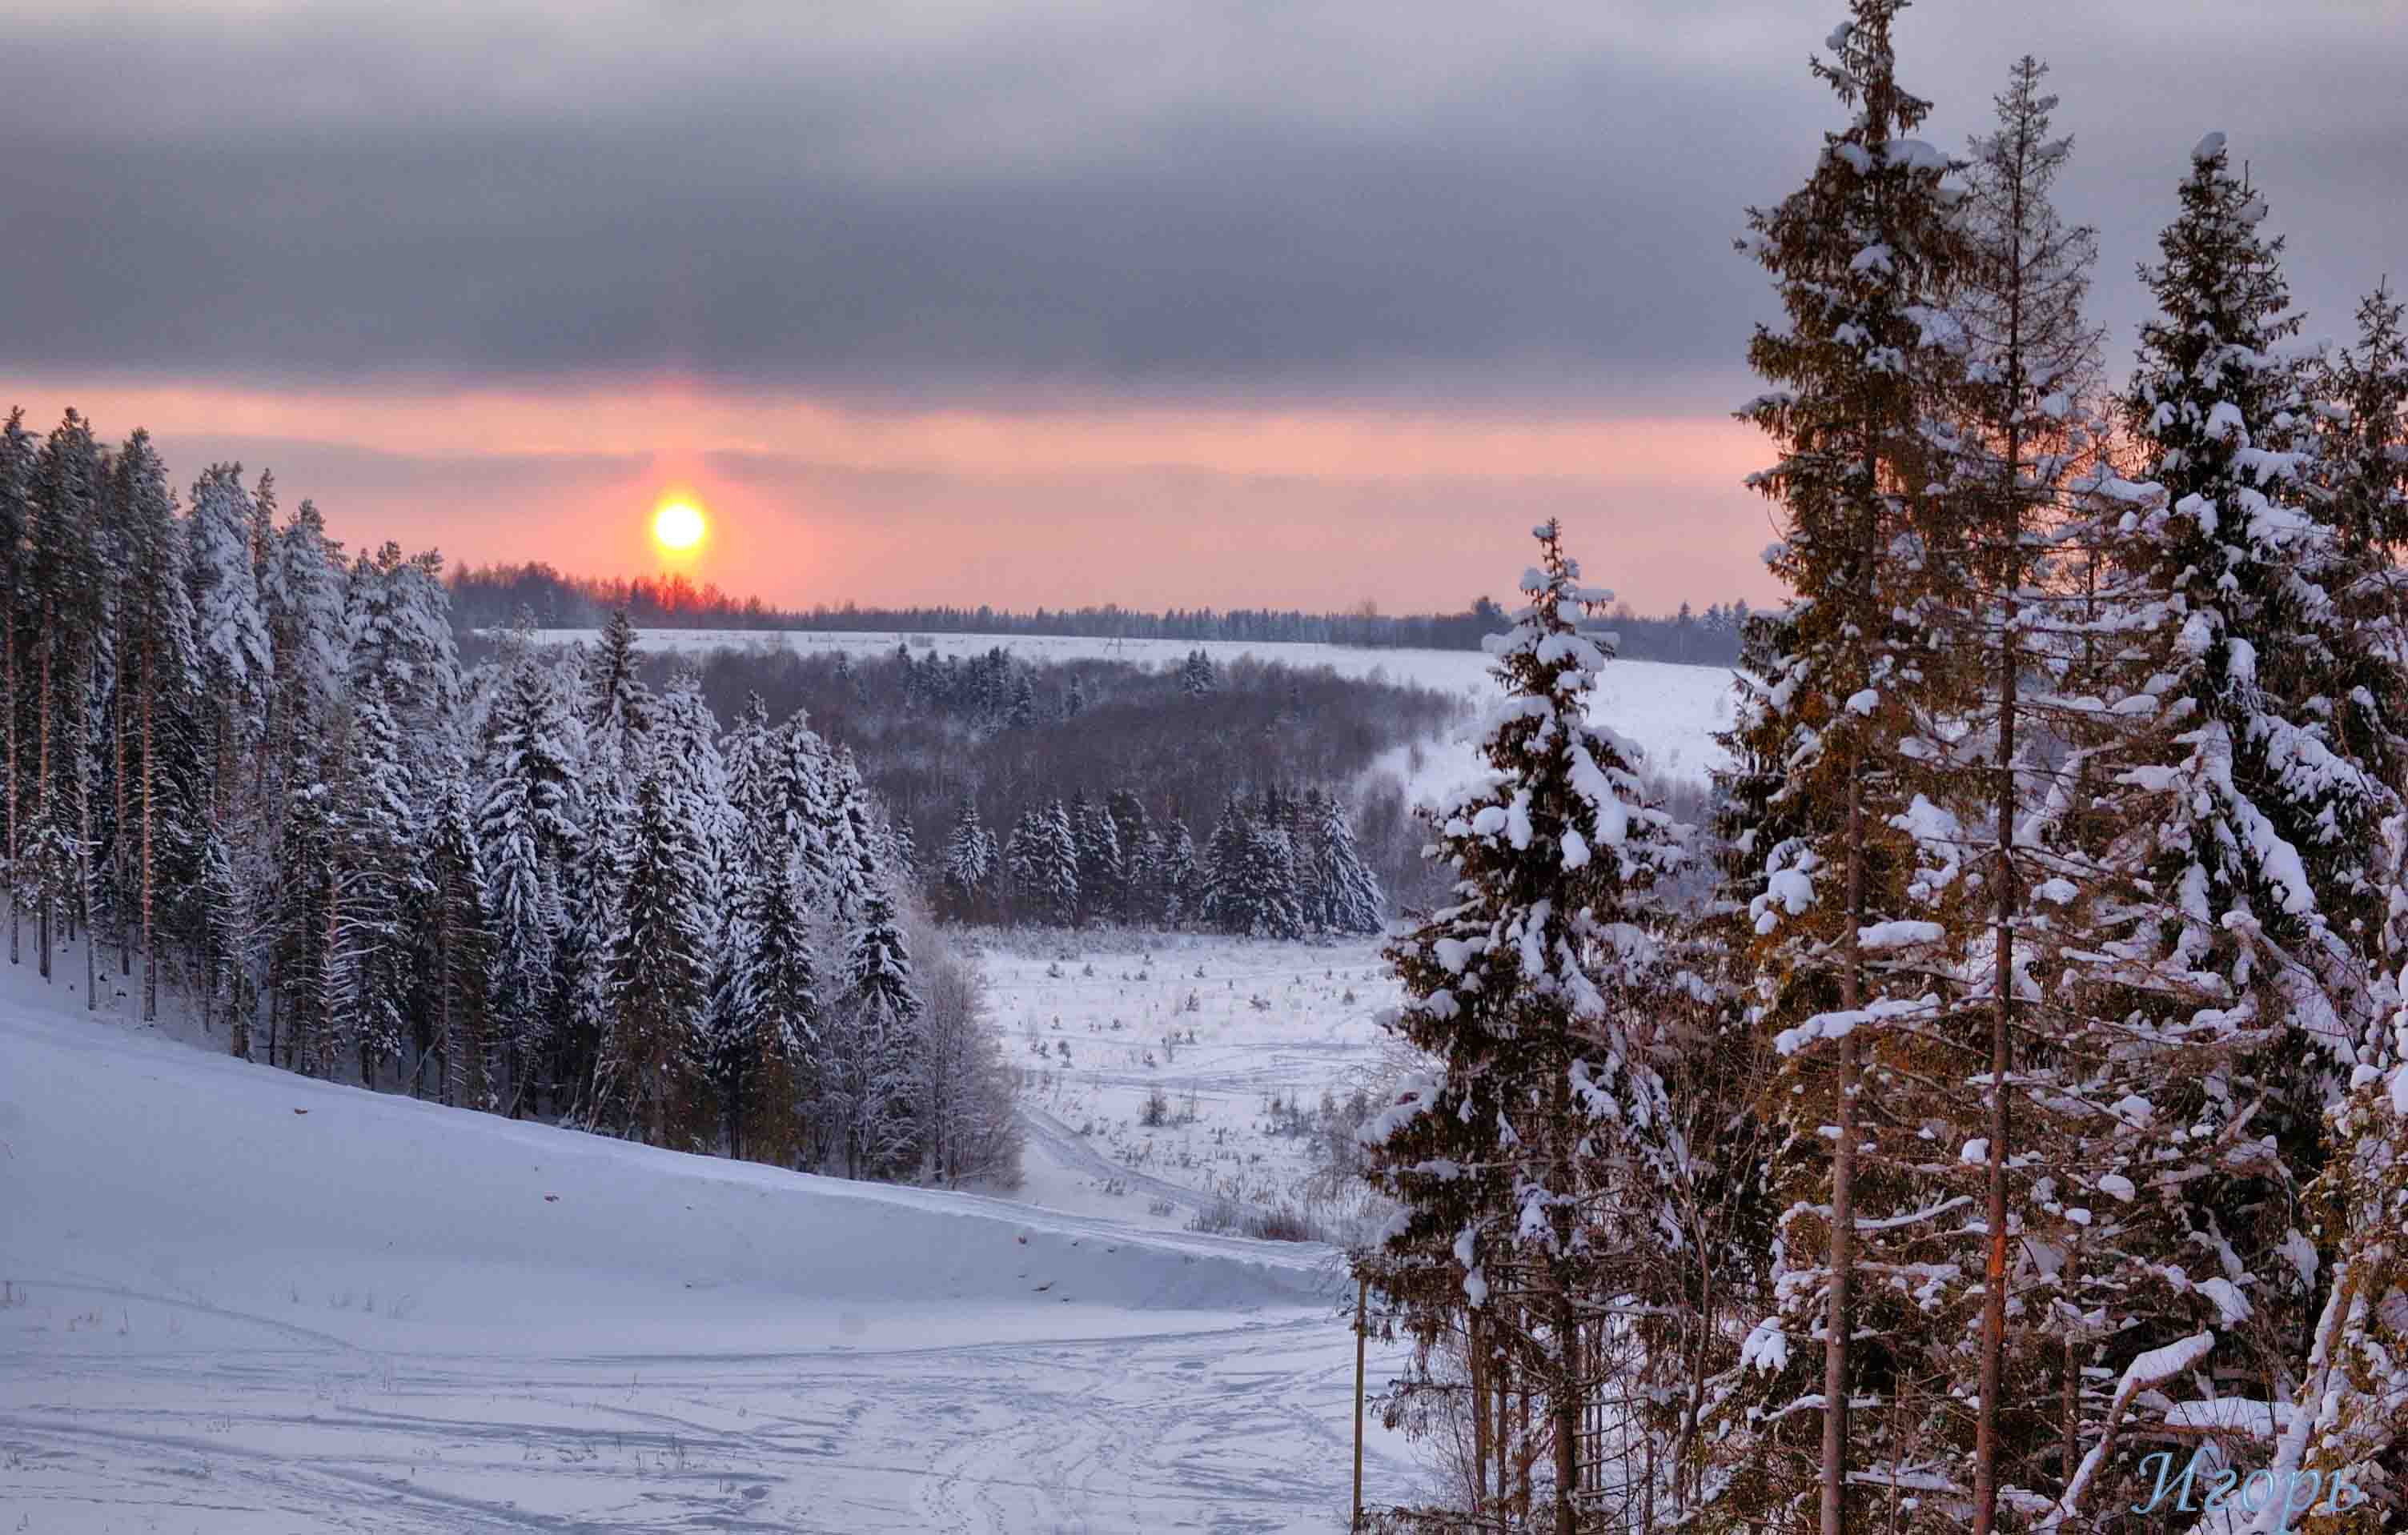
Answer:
(1239, 1039)
(241, 1300)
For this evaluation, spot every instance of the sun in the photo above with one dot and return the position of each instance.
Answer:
(678, 524)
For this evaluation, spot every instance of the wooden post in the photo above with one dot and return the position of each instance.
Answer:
(1362, 1307)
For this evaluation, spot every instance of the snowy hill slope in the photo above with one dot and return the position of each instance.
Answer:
(237, 1300)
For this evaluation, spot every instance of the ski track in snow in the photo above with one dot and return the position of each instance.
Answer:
(243, 1304)
(1218, 1430)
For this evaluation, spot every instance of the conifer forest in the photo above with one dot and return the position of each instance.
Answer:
(490, 1048)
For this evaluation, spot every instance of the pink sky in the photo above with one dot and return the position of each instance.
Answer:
(1312, 506)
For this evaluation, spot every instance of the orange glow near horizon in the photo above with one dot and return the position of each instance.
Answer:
(1315, 505)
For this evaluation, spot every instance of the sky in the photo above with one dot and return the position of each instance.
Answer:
(1288, 303)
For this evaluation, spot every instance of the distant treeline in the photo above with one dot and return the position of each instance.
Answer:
(492, 596)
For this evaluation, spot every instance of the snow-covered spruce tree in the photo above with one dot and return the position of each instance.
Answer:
(1228, 896)
(528, 840)
(1345, 893)
(237, 671)
(1862, 256)
(2362, 432)
(1182, 877)
(2240, 896)
(853, 836)
(380, 880)
(870, 1081)
(768, 1033)
(684, 741)
(1043, 860)
(618, 705)
(1523, 1167)
(970, 862)
(455, 952)
(644, 1072)
(1141, 846)
(1102, 879)
(1196, 675)
(398, 632)
(304, 592)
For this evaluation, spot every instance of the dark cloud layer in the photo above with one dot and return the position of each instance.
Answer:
(1374, 199)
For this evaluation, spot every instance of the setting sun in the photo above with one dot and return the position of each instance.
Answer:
(677, 525)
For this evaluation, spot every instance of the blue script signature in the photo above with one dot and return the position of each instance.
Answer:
(2250, 1493)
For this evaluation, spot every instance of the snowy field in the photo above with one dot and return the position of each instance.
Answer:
(1235, 1042)
(238, 1301)
(1671, 711)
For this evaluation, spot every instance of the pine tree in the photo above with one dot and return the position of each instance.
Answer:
(2028, 354)
(1527, 1160)
(306, 919)
(1862, 255)
(65, 574)
(17, 513)
(158, 658)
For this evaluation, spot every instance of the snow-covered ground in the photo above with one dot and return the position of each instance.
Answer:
(1671, 711)
(238, 1300)
(1239, 1039)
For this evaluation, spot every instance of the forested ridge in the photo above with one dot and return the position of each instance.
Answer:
(247, 770)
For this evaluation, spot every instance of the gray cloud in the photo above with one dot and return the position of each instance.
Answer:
(1375, 199)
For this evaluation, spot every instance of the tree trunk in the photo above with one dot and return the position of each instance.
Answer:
(42, 786)
(117, 853)
(1839, 1312)
(1994, 1301)
(83, 872)
(16, 875)
(1565, 1390)
(1567, 1403)
(149, 939)
(1476, 1369)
